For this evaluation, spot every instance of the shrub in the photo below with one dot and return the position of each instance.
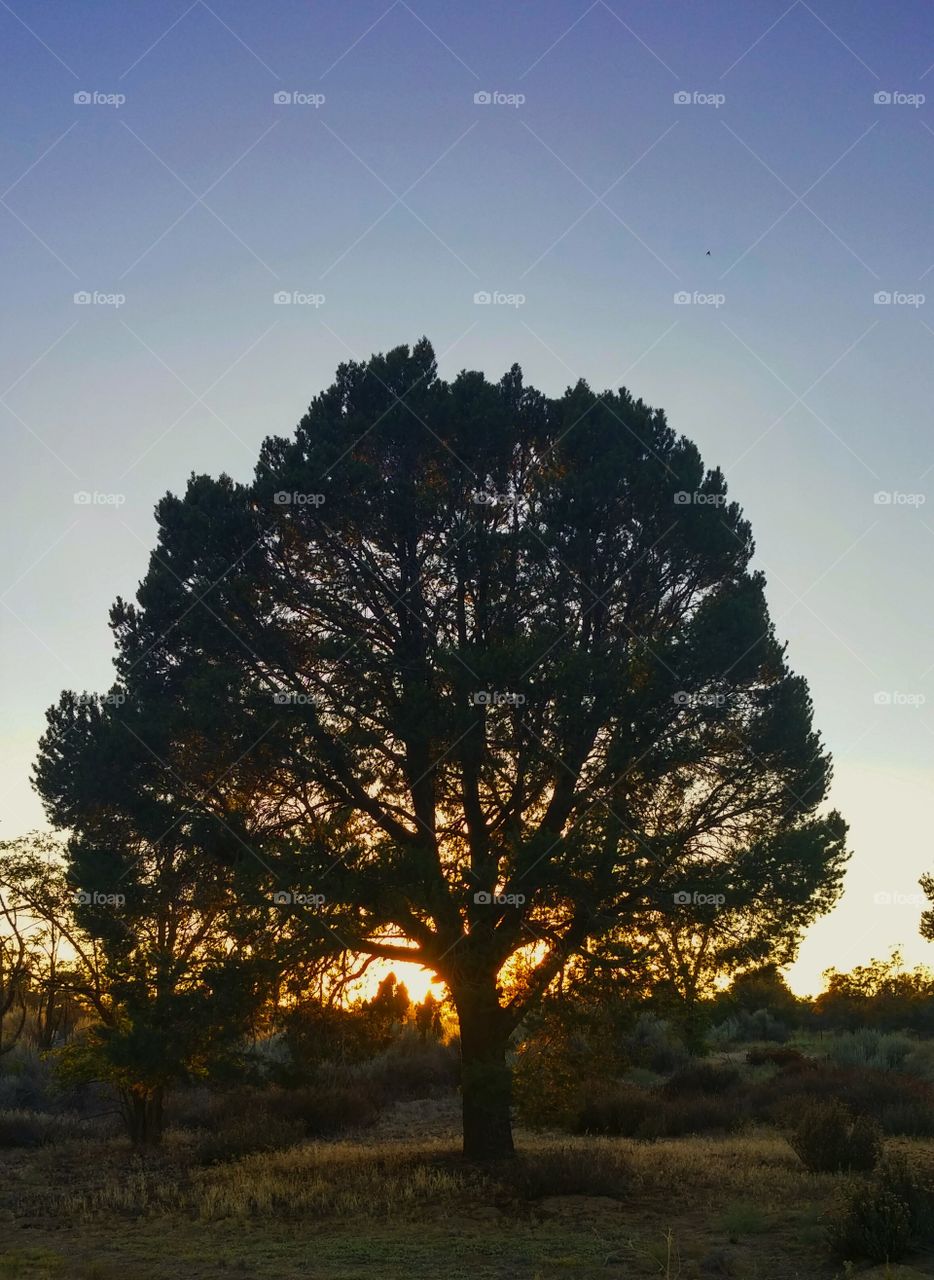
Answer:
(695, 1113)
(776, 1056)
(620, 1111)
(245, 1136)
(652, 1043)
(878, 1050)
(628, 1112)
(894, 1100)
(872, 1223)
(36, 1128)
(702, 1077)
(828, 1138)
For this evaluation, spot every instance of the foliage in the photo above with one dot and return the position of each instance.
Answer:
(828, 1138)
(483, 677)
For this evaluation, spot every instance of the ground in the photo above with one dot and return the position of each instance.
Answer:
(396, 1203)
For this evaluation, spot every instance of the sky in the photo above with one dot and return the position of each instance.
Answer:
(724, 207)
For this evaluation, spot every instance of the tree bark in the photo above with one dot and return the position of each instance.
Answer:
(486, 1078)
(142, 1109)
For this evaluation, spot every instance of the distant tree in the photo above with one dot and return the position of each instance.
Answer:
(490, 670)
(881, 994)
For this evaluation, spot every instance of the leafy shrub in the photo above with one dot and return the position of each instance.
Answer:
(245, 1136)
(37, 1128)
(696, 1113)
(891, 1099)
(653, 1043)
(412, 1067)
(776, 1056)
(620, 1111)
(625, 1111)
(702, 1077)
(872, 1223)
(878, 1050)
(828, 1138)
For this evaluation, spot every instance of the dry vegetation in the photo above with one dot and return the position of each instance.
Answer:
(383, 1204)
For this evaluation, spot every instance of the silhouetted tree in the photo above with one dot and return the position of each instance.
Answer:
(501, 669)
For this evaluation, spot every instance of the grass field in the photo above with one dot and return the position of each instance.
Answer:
(396, 1203)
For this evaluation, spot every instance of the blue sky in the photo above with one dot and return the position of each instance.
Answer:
(397, 197)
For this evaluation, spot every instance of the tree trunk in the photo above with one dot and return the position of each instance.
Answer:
(486, 1079)
(142, 1109)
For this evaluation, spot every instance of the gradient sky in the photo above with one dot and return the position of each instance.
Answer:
(398, 198)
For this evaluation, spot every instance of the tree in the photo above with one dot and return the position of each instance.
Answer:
(490, 670)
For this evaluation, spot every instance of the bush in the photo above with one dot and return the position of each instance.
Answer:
(777, 1056)
(828, 1139)
(878, 1050)
(628, 1112)
(702, 1077)
(620, 1111)
(36, 1128)
(873, 1224)
(244, 1136)
(652, 1043)
(900, 1104)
